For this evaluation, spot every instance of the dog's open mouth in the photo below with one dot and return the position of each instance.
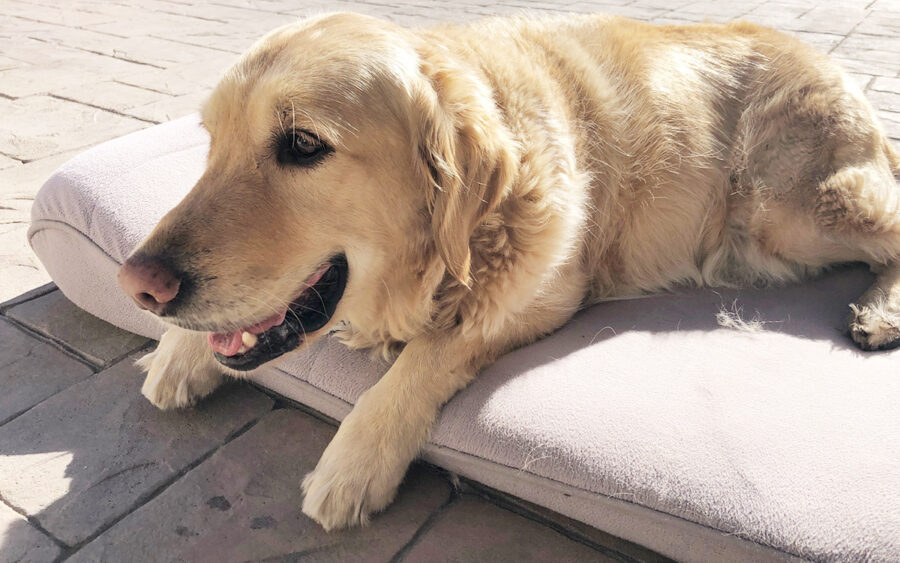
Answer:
(254, 345)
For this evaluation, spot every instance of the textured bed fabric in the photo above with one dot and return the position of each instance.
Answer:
(644, 418)
(97, 207)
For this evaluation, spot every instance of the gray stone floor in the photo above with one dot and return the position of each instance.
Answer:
(88, 470)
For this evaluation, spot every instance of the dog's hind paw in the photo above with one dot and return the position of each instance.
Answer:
(873, 328)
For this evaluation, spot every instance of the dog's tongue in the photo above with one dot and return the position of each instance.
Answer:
(228, 343)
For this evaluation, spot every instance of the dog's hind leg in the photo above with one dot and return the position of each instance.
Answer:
(862, 205)
(874, 321)
(823, 189)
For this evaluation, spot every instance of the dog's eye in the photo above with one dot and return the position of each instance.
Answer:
(300, 148)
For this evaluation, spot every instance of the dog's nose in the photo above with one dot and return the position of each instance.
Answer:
(150, 283)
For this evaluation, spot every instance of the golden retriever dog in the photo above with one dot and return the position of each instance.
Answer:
(448, 194)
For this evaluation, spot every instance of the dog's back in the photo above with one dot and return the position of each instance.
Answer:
(704, 145)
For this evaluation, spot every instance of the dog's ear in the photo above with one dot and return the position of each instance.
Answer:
(464, 155)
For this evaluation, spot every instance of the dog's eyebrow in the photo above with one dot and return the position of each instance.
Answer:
(288, 113)
(292, 116)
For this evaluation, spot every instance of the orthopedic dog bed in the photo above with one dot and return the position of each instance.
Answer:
(705, 425)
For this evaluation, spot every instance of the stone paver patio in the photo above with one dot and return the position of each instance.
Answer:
(88, 469)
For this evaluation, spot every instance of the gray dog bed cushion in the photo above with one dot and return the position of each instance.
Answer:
(648, 419)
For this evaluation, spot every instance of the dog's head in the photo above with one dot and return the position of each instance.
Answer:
(349, 163)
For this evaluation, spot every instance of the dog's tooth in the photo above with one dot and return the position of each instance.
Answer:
(249, 340)
(242, 349)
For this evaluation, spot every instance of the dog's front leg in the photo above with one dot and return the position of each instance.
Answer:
(360, 470)
(181, 370)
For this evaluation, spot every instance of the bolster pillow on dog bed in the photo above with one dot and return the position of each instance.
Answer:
(706, 425)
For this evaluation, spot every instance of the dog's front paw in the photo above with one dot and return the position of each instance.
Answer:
(872, 327)
(179, 373)
(349, 483)
(168, 388)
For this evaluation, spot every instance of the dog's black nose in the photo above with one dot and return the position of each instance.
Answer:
(149, 282)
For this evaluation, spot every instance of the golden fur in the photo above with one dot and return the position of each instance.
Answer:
(489, 180)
